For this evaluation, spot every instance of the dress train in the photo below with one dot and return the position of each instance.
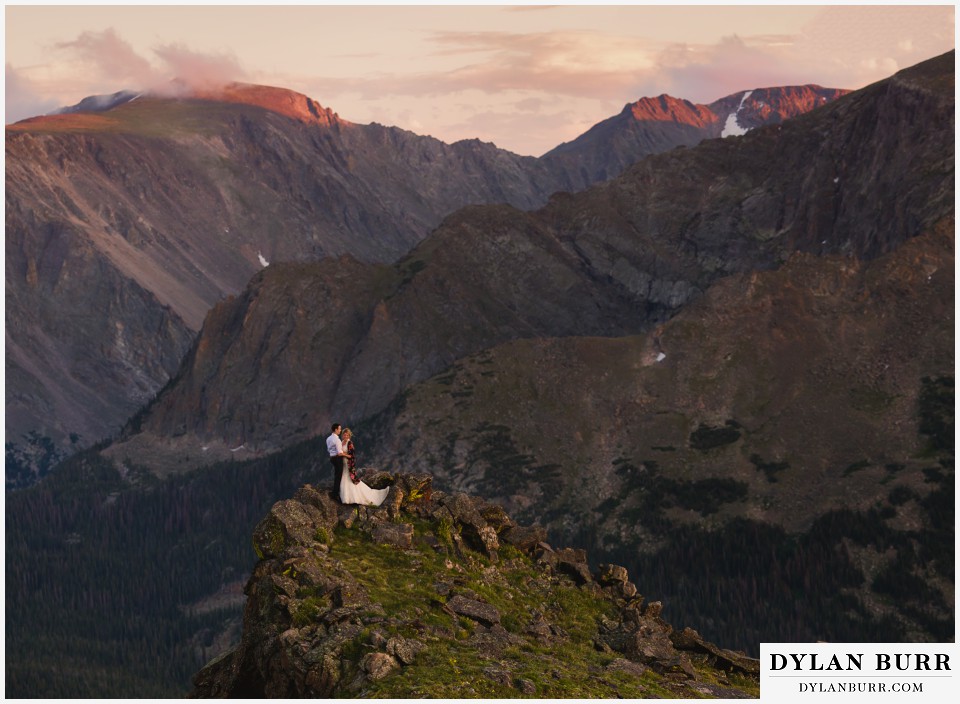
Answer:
(360, 493)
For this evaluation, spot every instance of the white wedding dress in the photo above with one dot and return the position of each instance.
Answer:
(360, 493)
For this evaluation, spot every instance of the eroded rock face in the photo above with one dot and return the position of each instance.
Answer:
(312, 629)
(125, 227)
(615, 260)
(126, 224)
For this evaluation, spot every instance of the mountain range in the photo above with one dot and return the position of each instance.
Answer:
(654, 125)
(614, 260)
(129, 216)
(728, 368)
(745, 330)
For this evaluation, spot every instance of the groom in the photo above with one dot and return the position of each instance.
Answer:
(337, 457)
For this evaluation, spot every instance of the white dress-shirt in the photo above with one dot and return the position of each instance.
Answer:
(334, 446)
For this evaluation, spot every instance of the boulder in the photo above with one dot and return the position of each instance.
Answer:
(609, 574)
(350, 595)
(404, 649)
(492, 643)
(496, 517)
(417, 487)
(378, 665)
(628, 666)
(473, 609)
(569, 561)
(498, 675)
(290, 523)
(524, 538)
(691, 641)
(397, 534)
(642, 636)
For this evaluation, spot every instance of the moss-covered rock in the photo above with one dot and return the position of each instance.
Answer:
(424, 600)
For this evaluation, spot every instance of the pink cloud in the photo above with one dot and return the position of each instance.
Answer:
(112, 57)
(707, 73)
(199, 70)
(120, 65)
(560, 63)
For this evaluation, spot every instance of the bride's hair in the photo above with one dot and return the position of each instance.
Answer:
(347, 431)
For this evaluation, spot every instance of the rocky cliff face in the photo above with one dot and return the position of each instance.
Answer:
(769, 106)
(858, 178)
(437, 595)
(125, 226)
(778, 398)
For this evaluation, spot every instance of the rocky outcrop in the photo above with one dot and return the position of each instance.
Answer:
(332, 610)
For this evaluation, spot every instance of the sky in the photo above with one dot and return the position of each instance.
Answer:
(526, 78)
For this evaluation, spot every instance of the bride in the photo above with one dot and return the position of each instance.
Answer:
(352, 490)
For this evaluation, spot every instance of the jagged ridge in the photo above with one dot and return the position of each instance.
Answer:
(613, 260)
(443, 595)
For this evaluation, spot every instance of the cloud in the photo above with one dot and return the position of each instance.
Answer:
(565, 63)
(580, 63)
(22, 98)
(708, 72)
(103, 62)
(199, 70)
(111, 57)
(116, 63)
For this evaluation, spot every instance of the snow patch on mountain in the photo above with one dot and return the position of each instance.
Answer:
(732, 126)
(263, 261)
(98, 103)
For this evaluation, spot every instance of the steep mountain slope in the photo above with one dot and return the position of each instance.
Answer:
(858, 177)
(157, 208)
(654, 125)
(125, 226)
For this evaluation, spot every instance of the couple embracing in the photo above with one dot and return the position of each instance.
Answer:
(346, 486)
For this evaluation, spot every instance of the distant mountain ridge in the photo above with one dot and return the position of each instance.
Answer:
(652, 125)
(130, 215)
(613, 260)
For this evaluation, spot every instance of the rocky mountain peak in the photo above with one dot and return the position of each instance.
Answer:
(279, 100)
(444, 595)
(765, 106)
(666, 108)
